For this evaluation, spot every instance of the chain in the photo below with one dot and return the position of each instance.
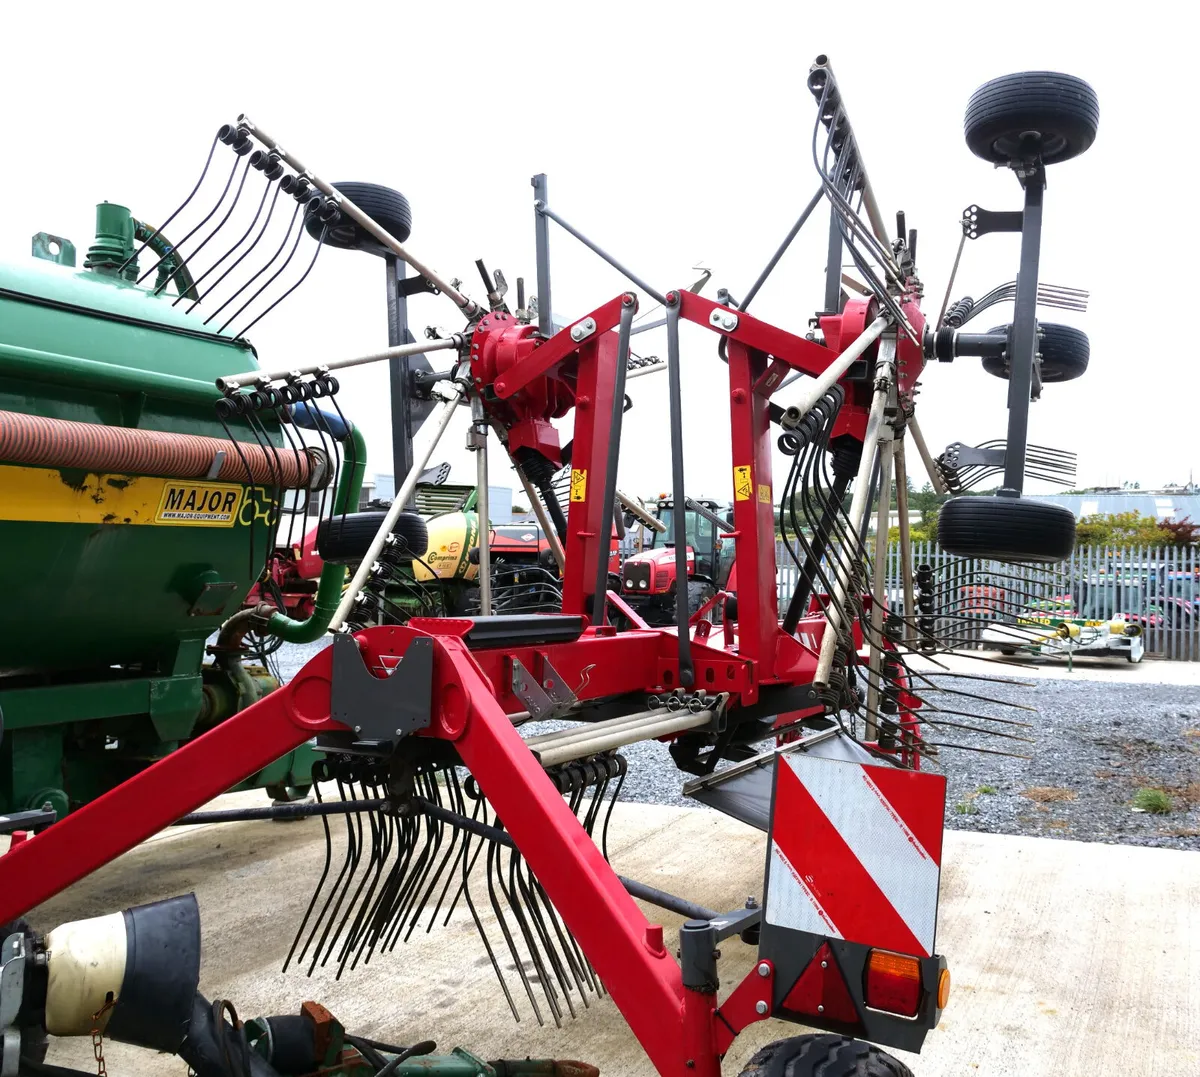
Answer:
(98, 1037)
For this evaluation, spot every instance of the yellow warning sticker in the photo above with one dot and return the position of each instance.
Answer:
(578, 484)
(743, 487)
(764, 493)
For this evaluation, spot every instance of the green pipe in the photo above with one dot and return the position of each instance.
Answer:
(73, 371)
(171, 264)
(333, 577)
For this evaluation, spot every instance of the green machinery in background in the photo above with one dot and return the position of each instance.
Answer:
(127, 538)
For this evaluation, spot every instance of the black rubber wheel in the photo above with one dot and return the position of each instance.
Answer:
(344, 540)
(387, 208)
(1006, 529)
(824, 1055)
(1065, 353)
(1029, 114)
(699, 592)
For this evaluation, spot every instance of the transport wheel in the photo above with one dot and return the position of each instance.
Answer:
(1065, 352)
(823, 1055)
(344, 540)
(387, 208)
(1006, 529)
(699, 592)
(1033, 113)
(1009, 651)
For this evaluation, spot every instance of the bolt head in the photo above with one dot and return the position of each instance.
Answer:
(358, 729)
(760, 1007)
(820, 1008)
(824, 964)
(399, 732)
(764, 969)
(728, 321)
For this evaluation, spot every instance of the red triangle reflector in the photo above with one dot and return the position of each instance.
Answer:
(821, 992)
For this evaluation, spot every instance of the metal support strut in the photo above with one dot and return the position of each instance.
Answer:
(1024, 334)
(612, 458)
(679, 506)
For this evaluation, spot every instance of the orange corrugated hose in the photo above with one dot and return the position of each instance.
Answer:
(44, 442)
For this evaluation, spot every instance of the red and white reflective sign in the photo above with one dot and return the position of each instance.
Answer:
(856, 852)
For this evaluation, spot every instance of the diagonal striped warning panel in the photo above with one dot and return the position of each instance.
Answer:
(856, 852)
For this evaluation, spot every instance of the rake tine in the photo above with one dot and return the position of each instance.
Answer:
(492, 857)
(465, 890)
(468, 868)
(459, 806)
(339, 933)
(320, 883)
(371, 876)
(976, 729)
(973, 748)
(623, 769)
(534, 932)
(339, 888)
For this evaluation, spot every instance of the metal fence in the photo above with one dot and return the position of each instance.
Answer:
(1158, 588)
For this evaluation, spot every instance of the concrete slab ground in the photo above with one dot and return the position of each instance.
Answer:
(1068, 959)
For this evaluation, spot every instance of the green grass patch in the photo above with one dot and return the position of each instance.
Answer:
(1154, 801)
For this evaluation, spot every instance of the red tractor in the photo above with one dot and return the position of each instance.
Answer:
(648, 578)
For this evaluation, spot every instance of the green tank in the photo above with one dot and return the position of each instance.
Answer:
(114, 577)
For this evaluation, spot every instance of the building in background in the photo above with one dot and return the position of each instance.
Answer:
(1174, 505)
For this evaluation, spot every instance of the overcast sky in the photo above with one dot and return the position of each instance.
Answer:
(672, 134)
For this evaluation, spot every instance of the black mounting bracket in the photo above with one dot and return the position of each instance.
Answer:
(977, 221)
(411, 286)
(958, 455)
(381, 709)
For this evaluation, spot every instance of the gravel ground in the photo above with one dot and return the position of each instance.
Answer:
(1095, 744)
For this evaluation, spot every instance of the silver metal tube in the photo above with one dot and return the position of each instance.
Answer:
(478, 441)
(822, 382)
(641, 371)
(675, 722)
(857, 514)
(233, 382)
(403, 495)
(906, 565)
(587, 730)
(873, 214)
(878, 590)
(543, 519)
(931, 469)
(640, 513)
(467, 305)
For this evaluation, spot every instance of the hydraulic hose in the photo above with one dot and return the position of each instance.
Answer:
(170, 265)
(333, 577)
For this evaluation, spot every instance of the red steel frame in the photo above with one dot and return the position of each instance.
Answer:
(681, 1030)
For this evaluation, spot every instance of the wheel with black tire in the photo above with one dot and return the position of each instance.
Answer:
(1137, 650)
(344, 540)
(824, 1055)
(387, 208)
(1065, 352)
(1006, 529)
(1032, 114)
(1008, 651)
(699, 592)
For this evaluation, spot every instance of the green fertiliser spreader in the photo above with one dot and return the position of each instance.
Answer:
(134, 519)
